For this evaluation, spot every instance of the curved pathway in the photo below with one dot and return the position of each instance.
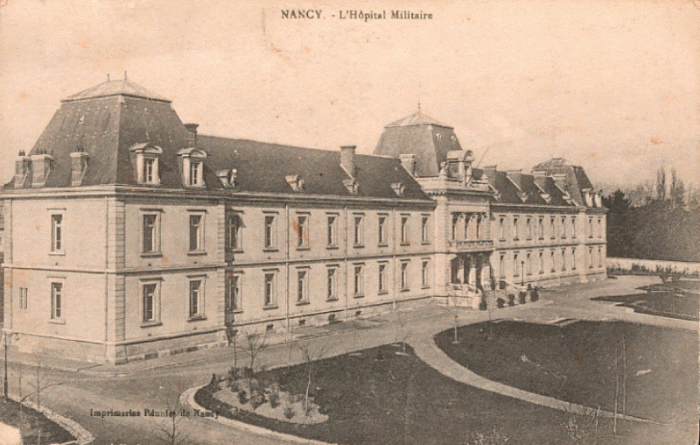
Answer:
(427, 350)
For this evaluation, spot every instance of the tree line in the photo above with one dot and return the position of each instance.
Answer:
(664, 224)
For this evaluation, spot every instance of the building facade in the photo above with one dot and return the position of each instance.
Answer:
(129, 236)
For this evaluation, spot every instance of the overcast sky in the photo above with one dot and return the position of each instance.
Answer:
(611, 86)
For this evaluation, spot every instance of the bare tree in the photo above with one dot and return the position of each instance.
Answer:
(171, 429)
(254, 343)
(402, 333)
(661, 184)
(311, 353)
(39, 382)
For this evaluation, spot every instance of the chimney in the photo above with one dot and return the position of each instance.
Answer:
(41, 165)
(23, 168)
(347, 159)
(192, 130)
(408, 161)
(79, 161)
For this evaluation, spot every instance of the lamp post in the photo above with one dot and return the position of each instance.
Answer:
(5, 337)
(522, 273)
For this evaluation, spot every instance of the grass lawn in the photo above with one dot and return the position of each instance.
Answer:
(381, 397)
(663, 300)
(35, 428)
(576, 363)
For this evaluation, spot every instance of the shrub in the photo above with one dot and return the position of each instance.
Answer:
(534, 295)
(380, 355)
(482, 305)
(522, 297)
(233, 373)
(493, 438)
(234, 385)
(257, 400)
(501, 302)
(242, 397)
(274, 399)
(511, 300)
(289, 411)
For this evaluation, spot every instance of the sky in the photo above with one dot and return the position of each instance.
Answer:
(613, 86)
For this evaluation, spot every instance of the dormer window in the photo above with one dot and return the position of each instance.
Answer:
(193, 166)
(147, 162)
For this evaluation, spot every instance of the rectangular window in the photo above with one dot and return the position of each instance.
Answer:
(516, 266)
(541, 261)
(150, 169)
(467, 226)
(150, 233)
(404, 229)
(332, 225)
(404, 275)
(382, 235)
(590, 227)
(600, 227)
(600, 256)
(425, 274)
(455, 221)
(196, 233)
(502, 266)
(528, 223)
(515, 228)
(553, 227)
(332, 283)
(563, 227)
(56, 301)
(553, 260)
(563, 260)
(269, 231)
(357, 230)
(478, 227)
(381, 277)
(302, 286)
(528, 262)
(23, 303)
(573, 258)
(233, 229)
(302, 229)
(501, 228)
(233, 294)
(56, 233)
(358, 280)
(196, 173)
(196, 299)
(425, 229)
(590, 257)
(540, 228)
(149, 295)
(573, 227)
(269, 296)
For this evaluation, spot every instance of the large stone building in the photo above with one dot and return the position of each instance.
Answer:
(129, 236)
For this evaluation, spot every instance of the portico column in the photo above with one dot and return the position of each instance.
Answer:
(472, 270)
(486, 272)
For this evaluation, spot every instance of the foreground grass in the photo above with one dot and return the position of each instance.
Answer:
(380, 396)
(35, 428)
(576, 363)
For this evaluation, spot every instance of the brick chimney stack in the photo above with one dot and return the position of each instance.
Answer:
(192, 130)
(408, 161)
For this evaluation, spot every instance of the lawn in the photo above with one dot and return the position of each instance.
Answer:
(380, 396)
(679, 300)
(35, 428)
(575, 362)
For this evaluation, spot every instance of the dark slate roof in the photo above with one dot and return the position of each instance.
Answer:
(116, 88)
(421, 135)
(508, 192)
(107, 120)
(576, 177)
(263, 167)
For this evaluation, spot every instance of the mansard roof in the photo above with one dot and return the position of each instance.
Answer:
(106, 121)
(422, 136)
(122, 87)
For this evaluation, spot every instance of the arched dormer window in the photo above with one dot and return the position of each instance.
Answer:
(147, 160)
(193, 166)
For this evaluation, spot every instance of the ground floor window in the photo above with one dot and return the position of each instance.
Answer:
(302, 286)
(150, 304)
(332, 283)
(56, 301)
(233, 294)
(404, 275)
(358, 280)
(269, 290)
(425, 274)
(381, 279)
(196, 298)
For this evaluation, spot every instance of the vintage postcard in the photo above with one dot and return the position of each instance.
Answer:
(350, 222)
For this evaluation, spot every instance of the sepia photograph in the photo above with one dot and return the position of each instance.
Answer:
(322, 222)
